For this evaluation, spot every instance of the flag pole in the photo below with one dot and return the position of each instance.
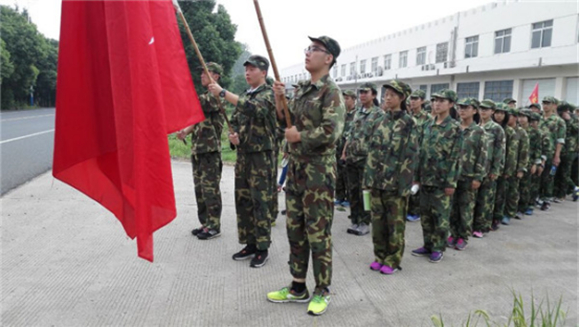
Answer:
(202, 62)
(274, 67)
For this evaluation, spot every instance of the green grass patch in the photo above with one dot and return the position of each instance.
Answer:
(180, 150)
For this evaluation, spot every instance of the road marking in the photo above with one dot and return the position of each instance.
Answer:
(31, 117)
(27, 136)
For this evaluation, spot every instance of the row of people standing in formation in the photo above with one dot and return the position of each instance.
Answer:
(386, 150)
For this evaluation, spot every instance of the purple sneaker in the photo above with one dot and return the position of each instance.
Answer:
(376, 266)
(386, 270)
(451, 242)
(478, 234)
(461, 244)
(435, 256)
(421, 252)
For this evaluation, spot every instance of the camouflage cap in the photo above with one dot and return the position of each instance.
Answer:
(535, 116)
(487, 103)
(349, 93)
(513, 111)
(468, 102)
(329, 43)
(368, 86)
(535, 105)
(418, 94)
(564, 106)
(500, 106)
(525, 112)
(258, 61)
(215, 68)
(400, 87)
(508, 100)
(550, 100)
(445, 94)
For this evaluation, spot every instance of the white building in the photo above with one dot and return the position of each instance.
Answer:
(494, 51)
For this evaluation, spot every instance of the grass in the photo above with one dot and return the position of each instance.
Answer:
(548, 315)
(180, 150)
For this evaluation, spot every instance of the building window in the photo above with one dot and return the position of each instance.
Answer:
(402, 59)
(471, 45)
(503, 40)
(352, 69)
(468, 90)
(387, 62)
(542, 34)
(438, 87)
(335, 71)
(441, 55)
(421, 54)
(423, 87)
(363, 65)
(498, 90)
(374, 65)
(343, 70)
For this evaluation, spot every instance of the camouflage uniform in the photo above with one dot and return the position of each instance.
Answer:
(535, 159)
(206, 162)
(356, 153)
(509, 169)
(563, 179)
(473, 168)
(342, 185)
(546, 147)
(556, 129)
(421, 118)
(389, 170)
(318, 113)
(254, 120)
(440, 159)
(513, 185)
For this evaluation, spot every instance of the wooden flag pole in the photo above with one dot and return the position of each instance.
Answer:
(273, 61)
(202, 62)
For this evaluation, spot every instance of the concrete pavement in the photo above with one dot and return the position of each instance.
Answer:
(67, 262)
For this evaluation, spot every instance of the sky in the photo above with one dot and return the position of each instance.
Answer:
(289, 23)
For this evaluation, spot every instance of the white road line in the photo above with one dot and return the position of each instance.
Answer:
(30, 117)
(27, 136)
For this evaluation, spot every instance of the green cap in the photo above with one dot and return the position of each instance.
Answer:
(418, 94)
(468, 102)
(329, 43)
(215, 68)
(535, 116)
(513, 111)
(550, 100)
(349, 93)
(500, 106)
(508, 100)
(535, 105)
(525, 112)
(565, 106)
(258, 61)
(445, 94)
(487, 103)
(400, 87)
(368, 86)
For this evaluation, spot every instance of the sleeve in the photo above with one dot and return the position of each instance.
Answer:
(482, 158)
(332, 122)
(536, 148)
(561, 132)
(523, 155)
(410, 161)
(511, 154)
(499, 146)
(454, 160)
(209, 103)
(259, 106)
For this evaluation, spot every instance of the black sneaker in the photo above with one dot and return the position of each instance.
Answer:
(246, 253)
(197, 231)
(208, 234)
(545, 206)
(259, 259)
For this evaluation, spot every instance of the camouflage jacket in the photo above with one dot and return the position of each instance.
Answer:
(535, 154)
(556, 129)
(318, 114)
(511, 151)
(572, 134)
(393, 154)
(421, 117)
(359, 135)
(496, 148)
(348, 119)
(254, 119)
(440, 155)
(473, 153)
(547, 144)
(206, 135)
(523, 149)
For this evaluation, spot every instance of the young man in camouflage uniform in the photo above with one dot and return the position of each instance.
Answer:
(485, 201)
(473, 172)
(206, 159)
(546, 147)
(501, 116)
(556, 129)
(563, 179)
(534, 160)
(318, 115)
(355, 152)
(510, 103)
(513, 180)
(389, 170)
(342, 185)
(254, 124)
(417, 101)
(437, 175)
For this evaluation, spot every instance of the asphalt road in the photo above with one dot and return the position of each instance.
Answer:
(26, 145)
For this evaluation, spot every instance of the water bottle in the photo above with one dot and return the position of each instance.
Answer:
(553, 170)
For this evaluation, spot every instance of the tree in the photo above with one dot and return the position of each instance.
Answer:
(239, 83)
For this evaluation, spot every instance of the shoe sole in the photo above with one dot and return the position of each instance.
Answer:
(435, 261)
(420, 255)
(244, 258)
(394, 271)
(319, 313)
(210, 237)
(289, 301)
(260, 265)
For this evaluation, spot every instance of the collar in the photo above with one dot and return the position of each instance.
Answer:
(445, 121)
(259, 88)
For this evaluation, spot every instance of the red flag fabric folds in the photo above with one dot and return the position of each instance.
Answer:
(123, 84)
(534, 97)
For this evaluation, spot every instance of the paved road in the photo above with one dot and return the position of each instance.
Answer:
(26, 142)
(67, 262)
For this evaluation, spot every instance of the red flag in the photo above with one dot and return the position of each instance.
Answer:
(123, 84)
(535, 95)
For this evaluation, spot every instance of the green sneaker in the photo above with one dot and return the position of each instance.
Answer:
(286, 295)
(319, 304)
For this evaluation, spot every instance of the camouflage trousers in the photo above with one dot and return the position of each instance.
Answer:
(310, 211)
(274, 204)
(413, 206)
(355, 173)
(534, 189)
(388, 213)
(484, 205)
(563, 183)
(435, 210)
(500, 195)
(575, 169)
(253, 197)
(207, 173)
(525, 191)
(512, 196)
(341, 182)
(461, 219)
(547, 182)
